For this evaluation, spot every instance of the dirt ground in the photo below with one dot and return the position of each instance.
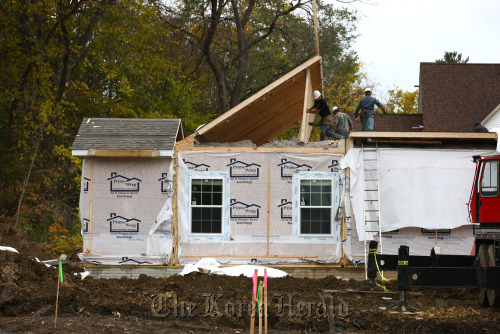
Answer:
(202, 303)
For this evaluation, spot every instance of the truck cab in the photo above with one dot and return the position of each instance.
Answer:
(484, 203)
(484, 209)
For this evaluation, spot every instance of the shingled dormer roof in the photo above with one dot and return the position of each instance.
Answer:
(128, 137)
(454, 96)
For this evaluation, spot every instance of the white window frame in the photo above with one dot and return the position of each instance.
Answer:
(303, 206)
(296, 200)
(224, 234)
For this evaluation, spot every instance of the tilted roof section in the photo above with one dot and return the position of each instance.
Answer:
(267, 113)
(454, 96)
(127, 134)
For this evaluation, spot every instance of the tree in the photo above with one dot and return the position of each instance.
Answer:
(40, 44)
(453, 58)
(224, 32)
(402, 102)
(248, 44)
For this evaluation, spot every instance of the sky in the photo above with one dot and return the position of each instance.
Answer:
(397, 35)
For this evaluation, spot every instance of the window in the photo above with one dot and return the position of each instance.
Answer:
(316, 206)
(489, 180)
(206, 206)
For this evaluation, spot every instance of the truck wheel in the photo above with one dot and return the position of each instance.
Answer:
(482, 254)
(493, 295)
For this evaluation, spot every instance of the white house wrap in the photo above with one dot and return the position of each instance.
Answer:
(128, 195)
(261, 189)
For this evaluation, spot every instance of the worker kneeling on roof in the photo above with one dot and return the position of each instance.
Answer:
(367, 107)
(321, 107)
(342, 124)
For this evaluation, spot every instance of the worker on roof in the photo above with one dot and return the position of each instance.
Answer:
(478, 127)
(342, 124)
(321, 107)
(367, 108)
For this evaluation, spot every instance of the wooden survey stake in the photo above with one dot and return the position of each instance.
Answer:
(259, 303)
(265, 301)
(254, 301)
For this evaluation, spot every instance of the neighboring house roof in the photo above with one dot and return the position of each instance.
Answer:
(393, 122)
(99, 136)
(454, 96)
(269, 112)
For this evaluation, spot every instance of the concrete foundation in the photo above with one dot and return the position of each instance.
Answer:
(299, 271)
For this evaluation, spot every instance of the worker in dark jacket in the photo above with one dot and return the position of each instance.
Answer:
(478, 127)
(367, 108)
(321, 107)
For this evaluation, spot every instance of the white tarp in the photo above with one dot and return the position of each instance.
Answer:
(252, 180)
(8, 249)
(457, 241)
(213, 267)
(418, 187)
(131, 203)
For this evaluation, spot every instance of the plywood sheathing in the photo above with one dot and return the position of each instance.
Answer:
(269, 112)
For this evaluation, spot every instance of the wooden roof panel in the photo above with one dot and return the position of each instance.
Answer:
(269, 112)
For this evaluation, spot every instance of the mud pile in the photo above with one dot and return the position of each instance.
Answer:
(200, 303)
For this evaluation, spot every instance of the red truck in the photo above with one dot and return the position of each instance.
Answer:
(481, 270)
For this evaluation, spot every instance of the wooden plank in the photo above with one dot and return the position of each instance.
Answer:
(305, 128)
(308, 102)
(90, 204)
(268, 204)
(332, 150)
(125, 153)
(316, 35)
(422, 135)
(391, 141)
(187, 144)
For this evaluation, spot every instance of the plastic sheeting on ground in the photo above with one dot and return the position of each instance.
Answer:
(212, 266)
(8, 249)
(422, 188)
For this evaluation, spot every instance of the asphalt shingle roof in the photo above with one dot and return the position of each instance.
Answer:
(127, 134)
(392, 122)
(454, 96)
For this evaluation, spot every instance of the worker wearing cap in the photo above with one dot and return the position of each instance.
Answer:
(321, 107)
(342, 124)
(367, 108)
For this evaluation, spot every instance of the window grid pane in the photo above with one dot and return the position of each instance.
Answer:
(206, 206)
(315, 203)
